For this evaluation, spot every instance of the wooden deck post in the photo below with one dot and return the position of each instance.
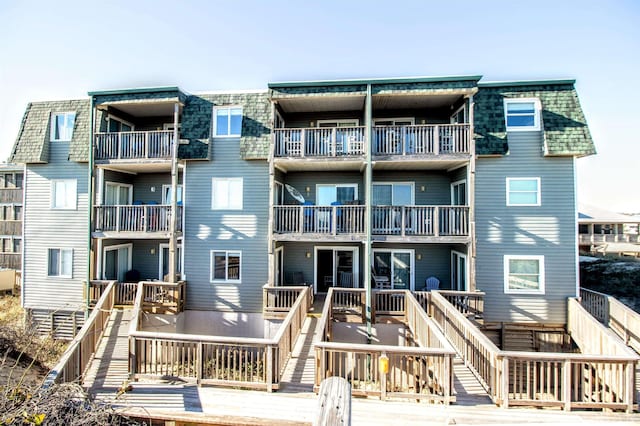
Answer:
(334, 402)
(269, 368)
(504, 382)
(630, 385)
(199, 363)
(566, 384)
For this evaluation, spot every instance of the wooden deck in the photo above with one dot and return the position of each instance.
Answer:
(295, 403)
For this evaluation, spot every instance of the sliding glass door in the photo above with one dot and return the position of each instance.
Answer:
(396, 265)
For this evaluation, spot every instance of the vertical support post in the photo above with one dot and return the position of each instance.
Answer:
(383, 377)
(471, 191)
(368, 177)
(132, 358)
(566, 384)
(271, 265)
(630, 385)
(504, 382)
(269, 368)
(173, 213)
(436, 221)
(200, 363)
(436, 139)
(303, 142)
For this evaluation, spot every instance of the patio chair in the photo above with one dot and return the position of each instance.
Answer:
(432, 283)
(382, 282)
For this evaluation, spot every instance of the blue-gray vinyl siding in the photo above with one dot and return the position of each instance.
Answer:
(548, 230)
(244, 230)
(46, 228)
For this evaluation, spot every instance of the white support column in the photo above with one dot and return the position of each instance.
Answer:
(174, 192)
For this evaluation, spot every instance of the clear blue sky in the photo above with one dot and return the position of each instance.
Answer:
(62, 49)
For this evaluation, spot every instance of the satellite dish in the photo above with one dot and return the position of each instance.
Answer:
(294, 193)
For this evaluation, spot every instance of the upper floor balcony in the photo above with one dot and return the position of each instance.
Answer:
(138, 145)
(414, 223)
(134, 221)
(422, 140)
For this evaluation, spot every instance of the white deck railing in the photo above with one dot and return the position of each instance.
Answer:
(609, 238)
(134, 145)
(128, 218)
(319, 142)
(420, 220)
(329, 220)
(433, 139)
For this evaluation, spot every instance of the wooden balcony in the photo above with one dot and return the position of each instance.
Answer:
(411, 223)
(11, 195)
(134, 219)
(11, 260)
(587, 239)
(150, 145)
(319, 142)
(423, 139)
(341, 222)
(10, 227)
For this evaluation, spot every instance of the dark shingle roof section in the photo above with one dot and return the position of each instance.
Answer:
(168, 94)
(32, 144)
(256, 124)
(565, 127)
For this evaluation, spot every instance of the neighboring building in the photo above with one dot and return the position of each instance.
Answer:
(11, 192)
(276, 187)
(602, 231)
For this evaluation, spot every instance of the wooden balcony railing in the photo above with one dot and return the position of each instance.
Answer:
(129, 218)
(602, 378)
(328, 220)
(217, 360)
(134, 145)
(608, 238)
(423, 139)
(319, 142)
(278, 301)
(10, 227)
(79, 353)
(421, 370)
(420, 220)
(624, 321)
(11, 260)
(11, 195)
(124, 293)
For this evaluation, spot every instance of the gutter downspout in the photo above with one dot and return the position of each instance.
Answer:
(90, 258)
(367, 217)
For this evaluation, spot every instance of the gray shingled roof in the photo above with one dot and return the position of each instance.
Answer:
(32, 143)
(565, 128)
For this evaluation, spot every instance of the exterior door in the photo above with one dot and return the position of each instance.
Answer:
(164, 261)
(336, 267)
(397, 266)
(458, 271)
(116, 262)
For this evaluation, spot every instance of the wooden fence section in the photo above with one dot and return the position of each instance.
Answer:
(624, 321)
(124, 293)
(278, 301)
(469, 303)
(79, 353)
(217, 360)
(134, 145)
(423, 371)
(567, 380)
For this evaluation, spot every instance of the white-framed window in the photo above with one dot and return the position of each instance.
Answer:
(166, 194)
(347, 122)
(62, 126)
(396, 121)
(117, 125)
(118, 193)
(524, 274)
(227, 121)
(459, 193)
(523, 191)
(226, 266)
(60, 262)
(397, 266)
(331, 193)
(226, 193)
(522, 114)
(393, 193)
(64, 194)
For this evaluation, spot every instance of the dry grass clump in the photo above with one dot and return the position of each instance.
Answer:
(25, 359)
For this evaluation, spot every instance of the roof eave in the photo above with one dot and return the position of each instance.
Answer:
(351, 82)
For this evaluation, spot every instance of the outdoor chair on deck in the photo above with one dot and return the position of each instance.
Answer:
(382, 282)
(432, 283)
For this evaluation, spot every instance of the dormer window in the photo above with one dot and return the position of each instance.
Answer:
(522, 114)
(62, 126)
(227, 121)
